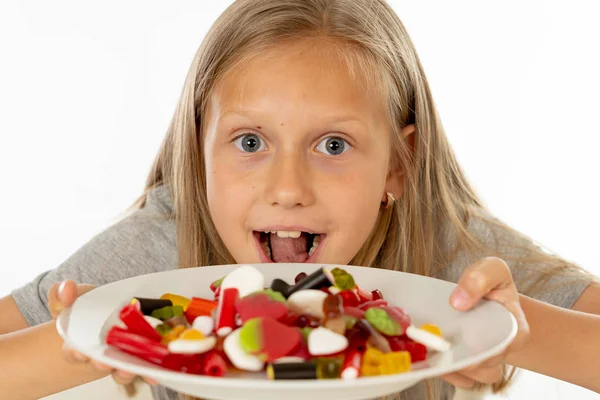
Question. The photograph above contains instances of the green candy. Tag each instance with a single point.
(350, 321)
(163, 329)
(382, 321)
(218, 282)
(168, 312)
(305, 332)
(273, 295)
(250, 340)
(342, 279)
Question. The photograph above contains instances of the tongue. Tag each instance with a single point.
(289, 249)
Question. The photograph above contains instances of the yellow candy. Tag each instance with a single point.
(370, 370)
(176, 300)
(372, 357)
(431, 328)
(191, 334)
(173, 334)
(395, 362)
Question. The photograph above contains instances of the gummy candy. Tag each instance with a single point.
(381, 320)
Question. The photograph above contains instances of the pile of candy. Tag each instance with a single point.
(323, 326)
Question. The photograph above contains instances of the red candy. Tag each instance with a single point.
(133, 318)
(349, 298)
(418, 352)
(260, 305)
(226, 312)
(354, 312)
(214, 364)
(399, 315)
(198, 307)
(373, 303)
(377, 295)
(364, 295)
(277, 340)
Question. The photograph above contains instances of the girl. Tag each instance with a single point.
(313, 119)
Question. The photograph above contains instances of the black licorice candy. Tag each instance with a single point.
(297, 370)
(281, 286)
(149, 305)
(318, 279)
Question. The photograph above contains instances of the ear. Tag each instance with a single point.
(396, 179)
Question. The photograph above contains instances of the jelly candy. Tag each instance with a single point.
(380, 320)
(322, 341)
(375, 338)
(300, 276)
(431, 328)
(395, 362)
(398, 315)
(163, 329)
(377, 295)
(168, 312)
(308, 301)
(329, 368)
(154, 322)
(246, 279)
(349, 298)
(418, 352)
(371, 362)
(260, 305)
(354, 312)
(172, 334)
(192, 342)
(342, 279)
(133, 318)
(334, 314)
(176, 321)
(373, 303)
(225, 321)
(238, 357)
(268, 338)
(176, 300)
(363, 295)
(216, 284)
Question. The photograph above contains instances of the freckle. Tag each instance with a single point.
(258, 127)
(282, 124)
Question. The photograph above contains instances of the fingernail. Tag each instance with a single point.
(61, 287)
(460, 299)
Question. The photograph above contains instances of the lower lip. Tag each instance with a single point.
(266, 260)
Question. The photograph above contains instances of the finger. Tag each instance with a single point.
(478, 280)
(459, 380)
(100, 366)
(150, 381)
(487, 375)
(122, 377)
(55, 295)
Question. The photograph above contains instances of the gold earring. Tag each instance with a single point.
(390, 200)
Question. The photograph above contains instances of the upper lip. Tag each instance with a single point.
(292, 228)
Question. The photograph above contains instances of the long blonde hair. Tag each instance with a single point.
(369, 36)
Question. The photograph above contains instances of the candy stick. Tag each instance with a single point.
(146, 305)
(376, 339)
(353, 359)
(226, 311)
(135, 322)
(318, 279)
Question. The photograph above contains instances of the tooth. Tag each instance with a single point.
(283, 234)
(317, 240)
(312, 250)
(294, 234)
(265, 246)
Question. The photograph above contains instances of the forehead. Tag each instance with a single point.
(304, 76)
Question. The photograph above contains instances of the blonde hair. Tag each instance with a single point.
(366, 35)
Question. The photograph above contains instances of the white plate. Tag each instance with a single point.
(475, 335)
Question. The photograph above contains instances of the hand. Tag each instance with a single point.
(61, 296)
(488, 278)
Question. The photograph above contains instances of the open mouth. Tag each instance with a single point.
(288, 246)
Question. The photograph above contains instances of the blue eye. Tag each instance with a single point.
(250, 143)
(333, 146)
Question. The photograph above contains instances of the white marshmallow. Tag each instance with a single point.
(246, 279)
(322, 341)
(428, 339)
(308, 301)
(238, 357)
(204, 324)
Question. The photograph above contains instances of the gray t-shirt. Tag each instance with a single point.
(145, 242)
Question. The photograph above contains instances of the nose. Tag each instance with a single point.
(288, 181)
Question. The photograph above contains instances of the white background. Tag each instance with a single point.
(87, 91)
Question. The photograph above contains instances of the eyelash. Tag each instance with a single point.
(347, 146)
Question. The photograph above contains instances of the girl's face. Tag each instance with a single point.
(296, 157)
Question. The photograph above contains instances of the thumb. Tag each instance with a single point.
(63, 294)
